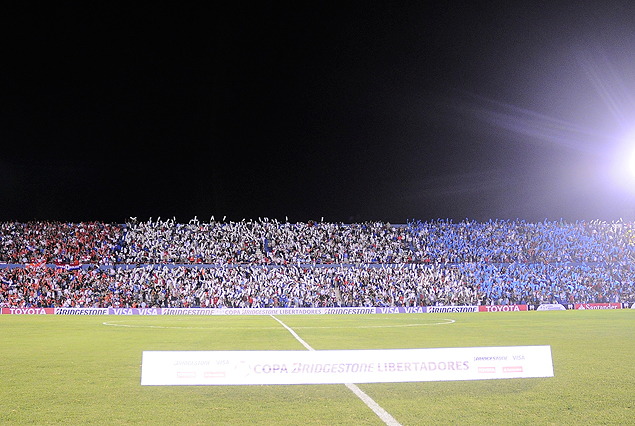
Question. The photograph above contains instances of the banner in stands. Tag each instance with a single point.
(343, 366)
(598, 306)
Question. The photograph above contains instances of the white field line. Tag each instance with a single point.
(294, 334)
(370, 403)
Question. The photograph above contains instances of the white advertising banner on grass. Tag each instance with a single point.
(343, 366)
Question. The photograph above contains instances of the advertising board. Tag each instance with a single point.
(585, 306)
(343, 366)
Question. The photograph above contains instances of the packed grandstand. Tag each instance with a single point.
(267, 264)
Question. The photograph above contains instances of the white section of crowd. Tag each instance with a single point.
(265, 242)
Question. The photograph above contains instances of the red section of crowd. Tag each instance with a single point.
(58, 242)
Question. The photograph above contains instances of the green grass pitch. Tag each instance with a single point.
(79, 370)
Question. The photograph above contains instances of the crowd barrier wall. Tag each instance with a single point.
(307, 311)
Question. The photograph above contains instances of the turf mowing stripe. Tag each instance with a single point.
(370, 402)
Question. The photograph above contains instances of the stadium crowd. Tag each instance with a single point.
(265, 242)
(316, 286)
(269, 242)
(57, 242)
(275, 264)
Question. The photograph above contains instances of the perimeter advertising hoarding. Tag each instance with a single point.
(268, 311)
(301, 311)
(551, 307)
(27, 311)
(584, 306)
(263, 311)
(502, 308)
(343, 366)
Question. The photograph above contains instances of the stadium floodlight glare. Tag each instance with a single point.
(622, 166)
(628, 161)
(631, 163)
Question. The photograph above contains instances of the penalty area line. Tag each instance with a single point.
(370, 402)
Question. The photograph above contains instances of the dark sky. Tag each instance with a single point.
(351, 113)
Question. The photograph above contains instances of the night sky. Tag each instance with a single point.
(351, 113)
